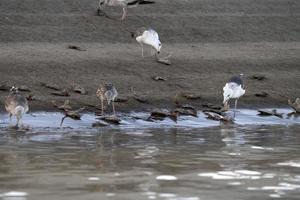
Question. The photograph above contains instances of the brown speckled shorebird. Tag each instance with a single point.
(16, 104)
(109, 92)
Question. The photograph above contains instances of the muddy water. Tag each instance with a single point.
(195, 159)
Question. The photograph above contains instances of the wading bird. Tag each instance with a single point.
(109, 92)
(16, 104)
(124, 4)
(148, 37)
(233, 89)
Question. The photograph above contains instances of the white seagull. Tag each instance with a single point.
(16, 104)
(233, 89)
(148, 37)
(124, 4)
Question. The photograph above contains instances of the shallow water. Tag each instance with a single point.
(195, 159)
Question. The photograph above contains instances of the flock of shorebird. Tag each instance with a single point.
(16, 103)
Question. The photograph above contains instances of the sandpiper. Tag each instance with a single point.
(109, 92)
(16, 104)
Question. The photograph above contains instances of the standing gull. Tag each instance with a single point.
(149, 37)
(233, 89)
(16, 104)
(109, 92)
(124, 4)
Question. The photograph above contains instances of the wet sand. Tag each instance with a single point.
(210, 41)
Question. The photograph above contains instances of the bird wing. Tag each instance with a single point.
(151, 37)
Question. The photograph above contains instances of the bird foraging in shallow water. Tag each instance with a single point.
(148, 37)
(109, 92)
(124, 4)
(16, 104)
(233, 89)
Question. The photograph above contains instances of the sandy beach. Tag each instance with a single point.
(210, 41)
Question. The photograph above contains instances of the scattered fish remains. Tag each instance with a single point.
(261, 94)
(63, 93)
(79, 89)
(50, 86)
(65, 106)
(111, 119)
(218, 117)
(191, 96)
(73, 114)
(259, 77)
(74, 47)
(4, 87)
(265, 112)
(159, 78)
(161, 114)
(164, 60)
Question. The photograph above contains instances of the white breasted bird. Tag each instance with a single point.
(109, 92)
(124, 4)
(16, 104)
(148, 37)
(233, 89)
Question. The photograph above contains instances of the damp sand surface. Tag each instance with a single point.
(257, 157)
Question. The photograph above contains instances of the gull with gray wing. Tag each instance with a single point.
(233, 89)
(148, 37)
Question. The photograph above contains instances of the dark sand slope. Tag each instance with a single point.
(211, 40)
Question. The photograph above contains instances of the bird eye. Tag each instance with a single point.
(228, 95)
(102, 3)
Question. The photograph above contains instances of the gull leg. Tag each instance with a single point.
(142, 50)
(18, 119)
(102, 108)
(235, 105)
(113, 106)
(124, 13)
(152, 53)
(10, 118)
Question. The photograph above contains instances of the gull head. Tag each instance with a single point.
(158, 47)
(101, 3)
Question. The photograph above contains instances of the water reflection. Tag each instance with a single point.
(223, 162)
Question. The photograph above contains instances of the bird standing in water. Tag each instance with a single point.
(124, 4)
(109, 92)
(16, 104)
(149, 37)
(233, 89)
